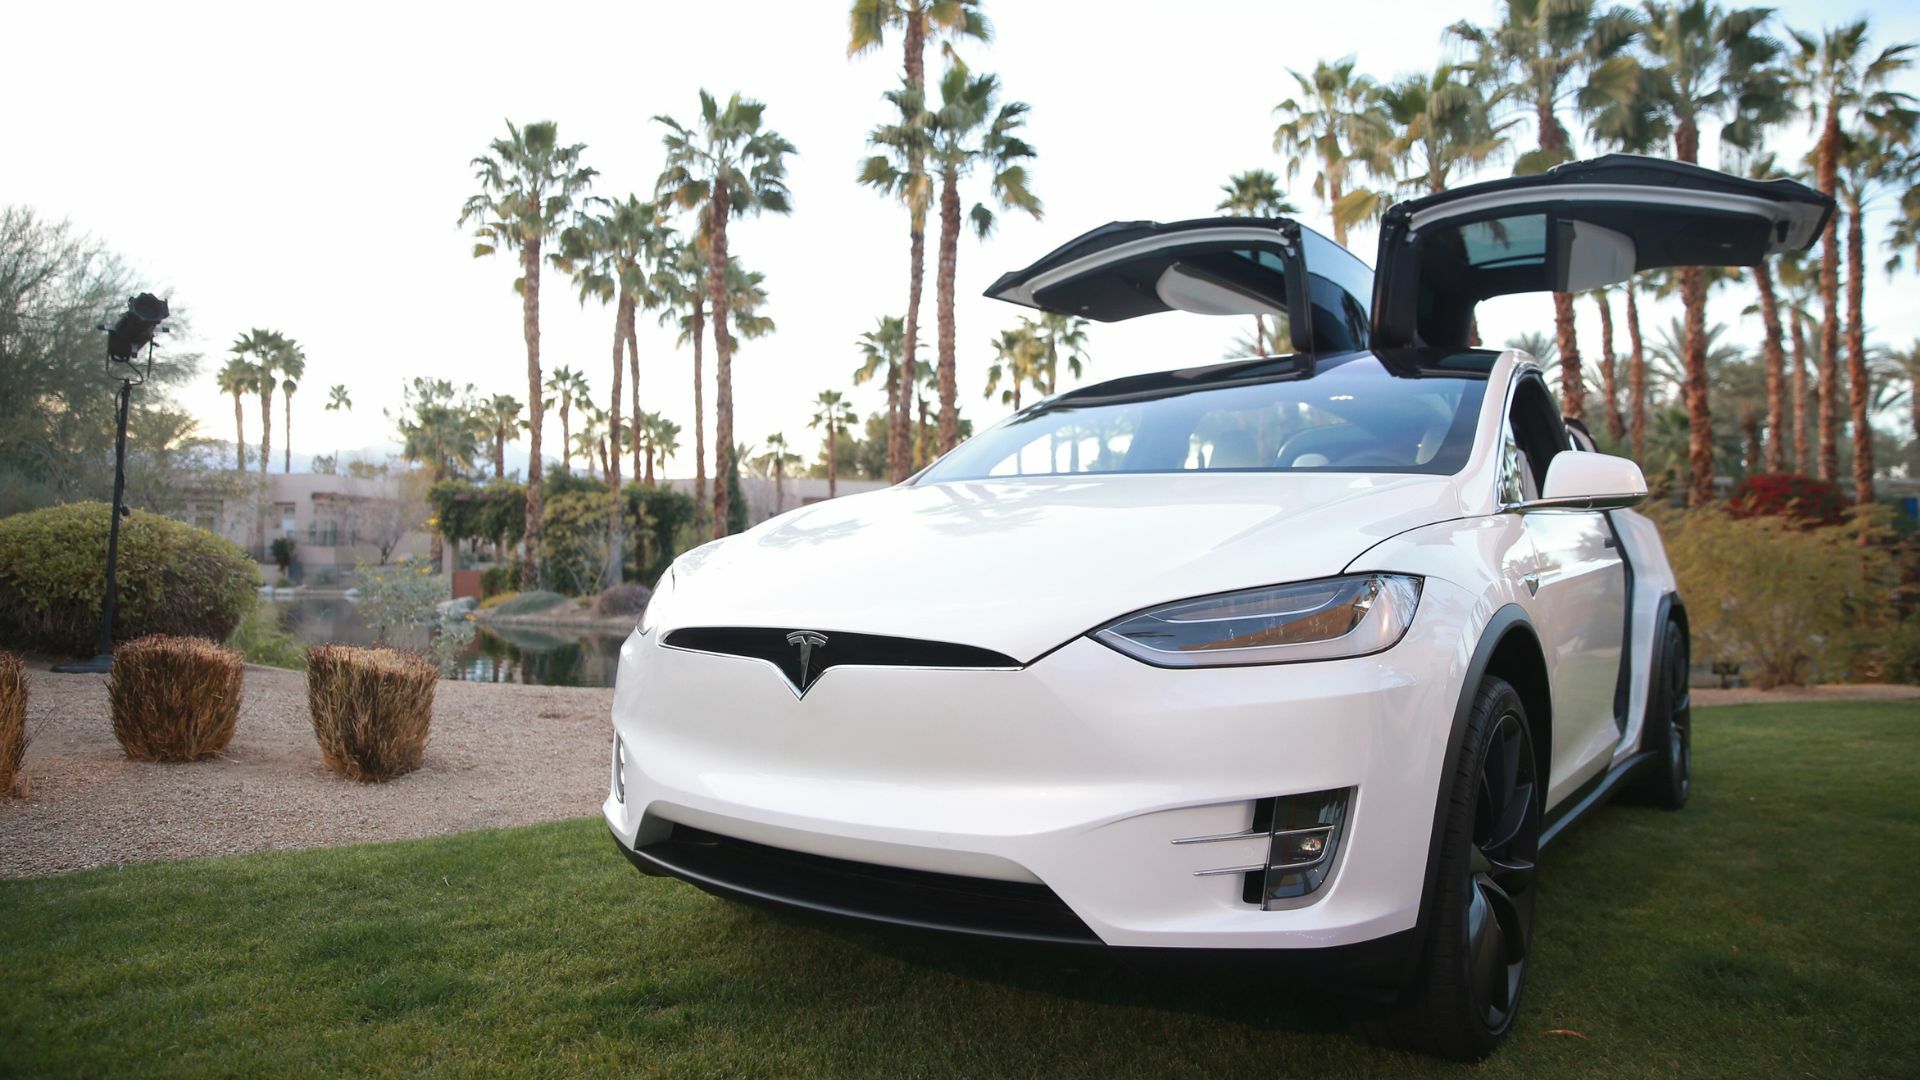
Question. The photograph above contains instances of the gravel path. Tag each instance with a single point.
(1747, 695)
(499, 755)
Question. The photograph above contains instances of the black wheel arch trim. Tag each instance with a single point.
(1509, 619)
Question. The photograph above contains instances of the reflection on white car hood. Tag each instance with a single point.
(1021, 565)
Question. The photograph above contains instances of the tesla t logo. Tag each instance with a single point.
(807, 640)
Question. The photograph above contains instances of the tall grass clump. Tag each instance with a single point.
(13, 720)
(371, 709)
(174, 698)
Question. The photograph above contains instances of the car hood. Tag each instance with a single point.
(1021, 565)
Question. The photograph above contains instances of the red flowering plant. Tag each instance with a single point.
(1788, 495)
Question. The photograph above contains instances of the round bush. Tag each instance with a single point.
(174, 698)
(371, 709)
(174, 579)
(628, 599)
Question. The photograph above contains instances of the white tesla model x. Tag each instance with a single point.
(1307, 654)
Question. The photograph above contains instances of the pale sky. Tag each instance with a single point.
(301, 167)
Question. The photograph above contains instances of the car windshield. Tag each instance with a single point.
(1345, 414)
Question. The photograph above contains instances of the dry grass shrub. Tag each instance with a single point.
(174, 698)
(13, 720)
(371, 709)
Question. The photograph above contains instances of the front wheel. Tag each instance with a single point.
(1474, 963)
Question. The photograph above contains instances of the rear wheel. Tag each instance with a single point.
(1481, 927)
(1669, 728)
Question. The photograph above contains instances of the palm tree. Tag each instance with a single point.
(612, 256)
(1336, 108)
(1535, 51)
(265, 348)
(900, 169)
(565, 389)
(1609, 370)
(1870, 161)
(1773, 355)
(970, 132)
(660, 439)
(292, 364)
(775, 462)
(1017, 361)
(1060, 337)
(528, 183)
(1839, 86)
(1256, 193)
(681, 283)
(238, 378)
(833, 413)
(502, 416)
(1907, 362)
(1434, 125)
(339, 398)
(885, 348)
(439, 427)
(730, 167)
(1697, 63)
(1800, 288)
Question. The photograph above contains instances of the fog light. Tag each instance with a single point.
(1305, 831)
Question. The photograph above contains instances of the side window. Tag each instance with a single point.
(1340, 291)
(1536, 432)
(1515, 476)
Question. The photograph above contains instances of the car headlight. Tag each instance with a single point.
(662, 589)
(1310, 620)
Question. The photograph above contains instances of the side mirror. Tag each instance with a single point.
(1577, 480)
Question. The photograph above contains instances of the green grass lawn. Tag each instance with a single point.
(1768, 930)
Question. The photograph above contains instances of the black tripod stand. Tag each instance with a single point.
(135, 328)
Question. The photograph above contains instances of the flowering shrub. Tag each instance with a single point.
(401, 605)
(1788, 495)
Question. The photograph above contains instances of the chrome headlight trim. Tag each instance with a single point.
(1324, 619)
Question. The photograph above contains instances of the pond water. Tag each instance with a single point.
(543, 656)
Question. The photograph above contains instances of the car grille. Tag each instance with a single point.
(778, 646)
(744, 870)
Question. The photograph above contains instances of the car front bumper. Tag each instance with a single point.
(886, 791)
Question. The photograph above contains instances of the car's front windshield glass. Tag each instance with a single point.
(1346, 415)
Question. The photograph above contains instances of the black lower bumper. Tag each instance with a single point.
(979, 908)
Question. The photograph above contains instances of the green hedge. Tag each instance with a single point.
(173, 579)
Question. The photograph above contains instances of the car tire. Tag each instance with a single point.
(1668, 733)
(1474, 957)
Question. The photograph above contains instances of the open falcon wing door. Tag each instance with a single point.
(1577, 226)
(1212, 266)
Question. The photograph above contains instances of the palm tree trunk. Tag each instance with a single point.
(500, 451)
(266, 426)
(1802, 446)
(899, 452)
(239, 435)
(1573, 391)
(1636, 379)
(779, 483)
(722, 361)
(1609, 373)
(1828, 179)
(833, 463)
(566, 435)
(1774, 357)
(1333, 200)
(633, 369)
(536, 412)
(949, 258)
(286, 462)
(1693, 295)
(616, 538)
(1857, 384)
(895, 445)
(699, 418)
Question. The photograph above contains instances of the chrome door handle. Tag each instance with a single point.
(1532, 581)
